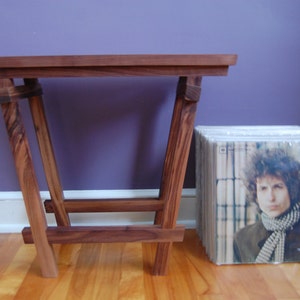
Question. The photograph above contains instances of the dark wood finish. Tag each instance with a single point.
(155, 60)
(113, 71)
(115, 65)
(188, 93)
(28, 183)
(189, 69)
(47, 153)
(15, 93)
(108, 234)
(107, 205)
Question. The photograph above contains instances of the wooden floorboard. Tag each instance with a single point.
(123, 271)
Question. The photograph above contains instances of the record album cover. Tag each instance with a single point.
(247, 184)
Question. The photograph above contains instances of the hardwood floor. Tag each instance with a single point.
(122, 271)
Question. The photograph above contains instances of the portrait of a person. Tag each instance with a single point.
(273, 183)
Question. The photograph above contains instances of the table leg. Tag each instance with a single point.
(182, 126)
(47, 154)
(28, 183)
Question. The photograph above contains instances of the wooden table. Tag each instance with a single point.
(164, 231)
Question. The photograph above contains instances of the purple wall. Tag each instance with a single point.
(109, 133)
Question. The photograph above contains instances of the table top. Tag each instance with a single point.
(116, 65)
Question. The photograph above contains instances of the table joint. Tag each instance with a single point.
(15, 93)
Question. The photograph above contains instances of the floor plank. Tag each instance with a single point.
(123, 271)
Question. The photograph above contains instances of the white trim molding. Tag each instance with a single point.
(13, 216)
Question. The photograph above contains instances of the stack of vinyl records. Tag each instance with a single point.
(233, 212)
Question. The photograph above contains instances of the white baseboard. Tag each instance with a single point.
(13, 216)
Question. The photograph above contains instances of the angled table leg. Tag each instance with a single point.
(182, 125)
(47, 154)
(28, 183)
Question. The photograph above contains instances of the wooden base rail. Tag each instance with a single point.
(108, 234)
(188, 68)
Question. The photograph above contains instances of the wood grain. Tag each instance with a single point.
(15, 93)
(47, 154)
(115, 65)
(107, 205)
(123, 271)
(108, 234)
(188, 93)
(118, 60)
(28, 183)
(189, 69)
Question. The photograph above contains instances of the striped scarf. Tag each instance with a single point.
(275, 242)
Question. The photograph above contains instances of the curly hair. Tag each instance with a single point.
(275, 162)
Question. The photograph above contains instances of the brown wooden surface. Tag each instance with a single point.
(28, 183)
(178, 147)
(123, 271)
(115, 65)
(188, 93)
(47, 153)
(117, 60)
(189, 68)
(15, 93)
(108, 234)
(108, 205)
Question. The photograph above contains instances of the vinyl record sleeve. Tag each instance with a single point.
(222, 156)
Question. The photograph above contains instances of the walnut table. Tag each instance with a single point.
(188, 68)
